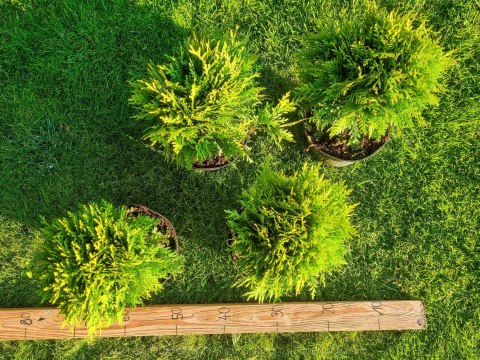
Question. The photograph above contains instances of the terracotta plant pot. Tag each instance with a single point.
(163, 224)
(334, 161)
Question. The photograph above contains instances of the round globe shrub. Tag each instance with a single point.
(290, 233)
(205, 102)
(366, 71)
(95, 262)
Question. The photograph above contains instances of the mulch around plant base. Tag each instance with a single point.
(337, 147)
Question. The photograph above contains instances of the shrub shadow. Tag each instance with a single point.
(67, 139)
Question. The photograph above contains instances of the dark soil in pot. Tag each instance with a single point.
(218, 162)
(164, 225)
(335, 150)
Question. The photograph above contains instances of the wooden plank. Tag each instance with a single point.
(46, 323)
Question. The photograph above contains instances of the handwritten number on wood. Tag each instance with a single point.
(25, 319)
(377, 306)
(277, 310)
(223, 311)
(126, 317)
(177, 314)
(327, 308)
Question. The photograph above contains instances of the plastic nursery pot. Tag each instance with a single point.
(163, 224)
(216, 163)
(334, 161)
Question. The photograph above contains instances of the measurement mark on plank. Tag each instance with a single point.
(176, 330)
(379, 323)
(25, 332)
(124, 330)
(74, 335)
(328, 325)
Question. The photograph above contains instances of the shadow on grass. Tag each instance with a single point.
(67, 137)
(275, 85)
(64, 119)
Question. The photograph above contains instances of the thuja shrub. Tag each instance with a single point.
(368, 70)
(95, 262)
(291, 232)
(205, 102)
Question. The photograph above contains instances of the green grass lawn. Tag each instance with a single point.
(67, 137)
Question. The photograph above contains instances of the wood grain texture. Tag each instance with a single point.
(46, 323)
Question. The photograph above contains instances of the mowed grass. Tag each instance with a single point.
(67, 137)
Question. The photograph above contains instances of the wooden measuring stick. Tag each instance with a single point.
(46, 323)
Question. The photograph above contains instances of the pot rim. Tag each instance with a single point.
(337, 159)
(210, 168)
(163, 222)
